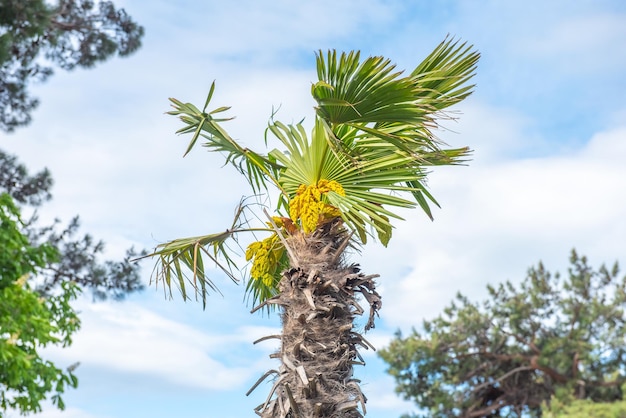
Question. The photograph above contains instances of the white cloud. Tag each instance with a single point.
(385, 400)
(378, 387)
(131, 339)
(493, 134)
(587, 34)
(251, 29)
(499, 218)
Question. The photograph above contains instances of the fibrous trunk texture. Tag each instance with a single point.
(318, 302)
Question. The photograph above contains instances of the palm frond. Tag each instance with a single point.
(442, 76)
(373, 179)
(257, 168)
(375, 99)
(369, 92)
(180, 262)
(380, 123)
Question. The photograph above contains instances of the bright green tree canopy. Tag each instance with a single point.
(29, 322)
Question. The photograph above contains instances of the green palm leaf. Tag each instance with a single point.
(361, 176)
(444, 74)
(258, 169)
(354, 92)
(181, 261)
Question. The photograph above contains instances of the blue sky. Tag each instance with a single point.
(547, 124)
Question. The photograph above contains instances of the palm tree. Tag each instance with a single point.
(368, 152)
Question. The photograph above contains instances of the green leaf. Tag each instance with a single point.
(209, 96)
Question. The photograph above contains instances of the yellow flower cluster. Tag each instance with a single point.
(267, 254)
(308, 206)
(277, 220)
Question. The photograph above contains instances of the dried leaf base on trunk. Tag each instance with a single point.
(318, 302)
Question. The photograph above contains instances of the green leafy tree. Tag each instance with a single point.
(368, 152)
(29, 322)
(509, 355)
(37, 34)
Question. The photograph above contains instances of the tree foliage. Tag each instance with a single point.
(511, 353)
(29, 322)
(78, 256)
(35, 35)
(564, 405)
(368, 153)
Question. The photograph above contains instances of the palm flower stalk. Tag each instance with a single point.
(368, 152)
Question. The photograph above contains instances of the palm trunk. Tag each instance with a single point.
(319, 339)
